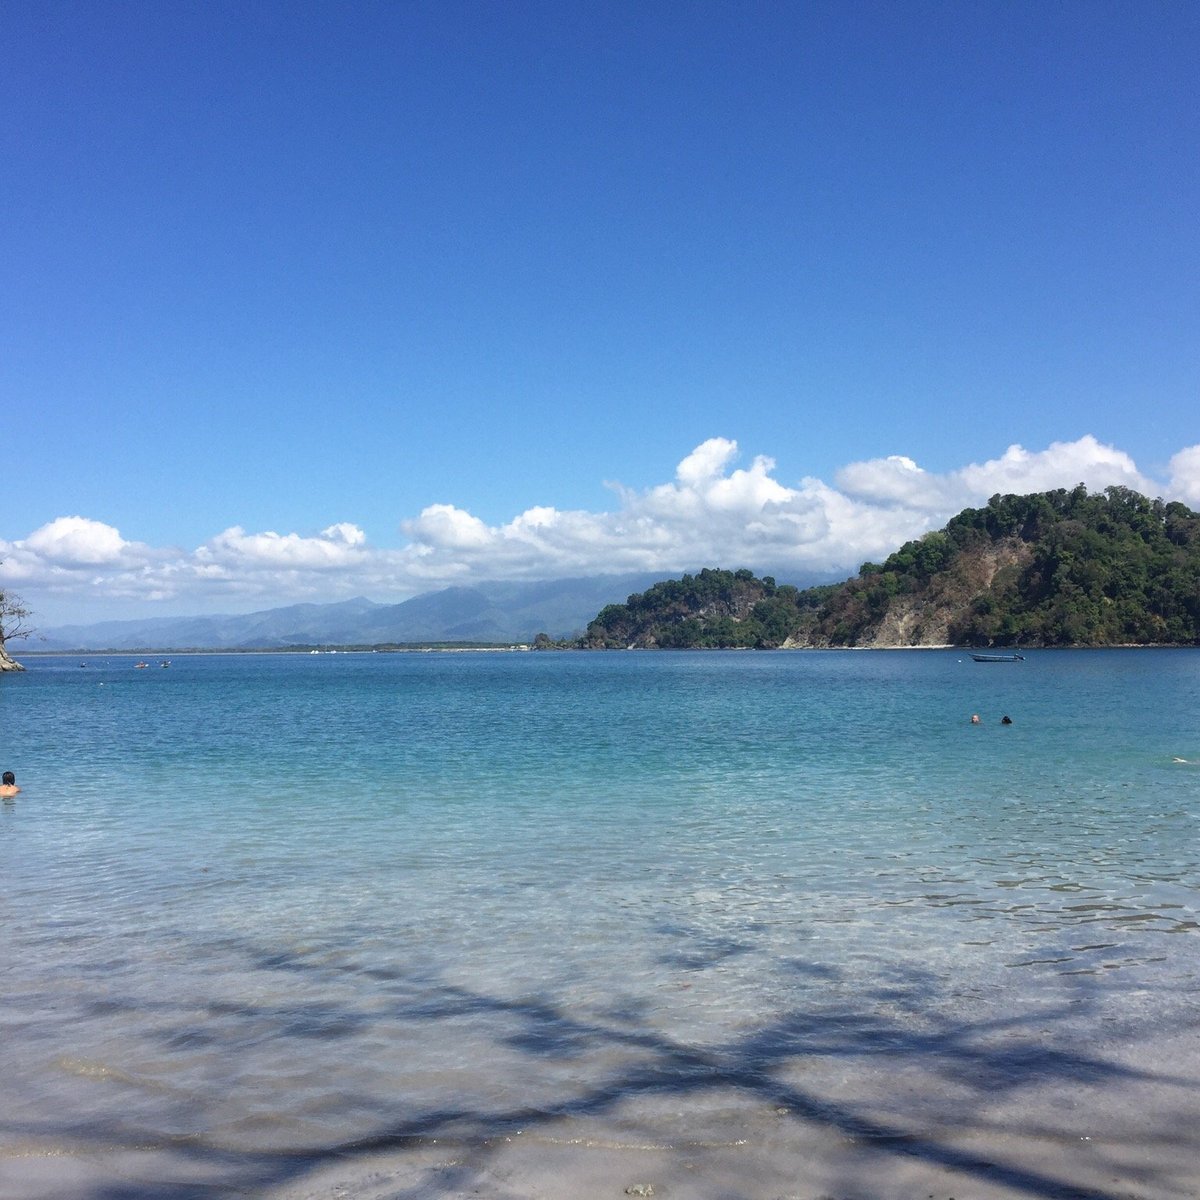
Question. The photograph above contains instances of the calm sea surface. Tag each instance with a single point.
(261, 910)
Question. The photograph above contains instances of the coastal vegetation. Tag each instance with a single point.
(713, 609)
(14, 618)
(1057, 568)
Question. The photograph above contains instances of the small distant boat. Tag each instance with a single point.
(998, 657)
(166, 662)
(141, 666)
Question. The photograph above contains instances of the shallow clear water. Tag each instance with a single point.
(288, 905)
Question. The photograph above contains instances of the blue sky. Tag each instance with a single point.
(306, 300)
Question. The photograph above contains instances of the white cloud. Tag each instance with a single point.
(444, 527)
(711, 513)
(1185, 475)
(894, 480)
(76, 542)
(899, 480)
(344, 532)
(707, 461)
(1063, 464)
(338, 546)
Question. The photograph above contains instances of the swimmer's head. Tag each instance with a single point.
(9, 779)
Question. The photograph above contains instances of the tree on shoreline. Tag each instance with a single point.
(13, 624)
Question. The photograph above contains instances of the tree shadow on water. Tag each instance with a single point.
(978, 1065)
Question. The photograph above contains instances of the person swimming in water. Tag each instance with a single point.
(9, 785)
(1006, 720)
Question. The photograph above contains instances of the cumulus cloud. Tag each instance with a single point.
(1184, 468)
(77, 542)
(344, 532)
(71, 553)
(712, 511)
(77, 556)
(1085, 461)
(338, 546)
(899, 480)
(442, 526)
(706, 462)
(894, 480)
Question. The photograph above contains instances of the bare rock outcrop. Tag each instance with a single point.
(926, 620)
(928, 617)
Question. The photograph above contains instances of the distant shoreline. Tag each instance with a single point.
(197, 652)
(528, 648)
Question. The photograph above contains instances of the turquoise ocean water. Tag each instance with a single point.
(259, 911)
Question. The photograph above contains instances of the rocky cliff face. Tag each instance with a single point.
(928, 617)
(8, 663)
(926, 620)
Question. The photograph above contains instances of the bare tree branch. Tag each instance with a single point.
(13, 618)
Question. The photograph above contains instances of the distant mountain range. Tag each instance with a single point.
(488, 612)
(1058, 568)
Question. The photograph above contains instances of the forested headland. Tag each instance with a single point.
(1057, 568)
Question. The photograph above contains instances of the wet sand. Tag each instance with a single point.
(1122, 1125)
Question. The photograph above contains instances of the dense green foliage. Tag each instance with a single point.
(1108, 568)
(1055, 568)
(712, 609)
(1115, 567)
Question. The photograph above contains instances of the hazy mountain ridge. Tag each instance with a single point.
(487, 612)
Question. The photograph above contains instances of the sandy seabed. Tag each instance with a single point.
(1130, 1133)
